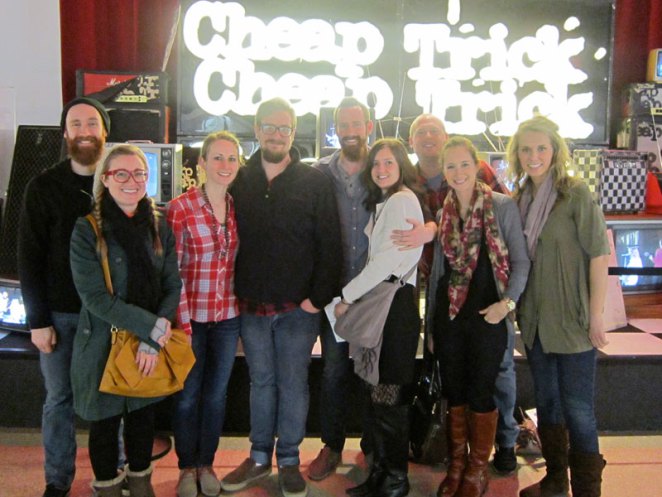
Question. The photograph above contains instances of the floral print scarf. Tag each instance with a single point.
(461, 247)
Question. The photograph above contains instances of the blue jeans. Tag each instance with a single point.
(278, 350)
(336, 377)
(564, 386)
(505, 397)
(58, 420)
(199, 409)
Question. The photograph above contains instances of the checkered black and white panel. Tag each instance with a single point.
(623, 185)
(587, 165)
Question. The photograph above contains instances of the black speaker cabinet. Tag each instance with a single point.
(37, 148)
(144, 122)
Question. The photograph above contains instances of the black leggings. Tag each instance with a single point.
(470, 352)
(138, 441)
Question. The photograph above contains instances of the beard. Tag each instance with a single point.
(273, 157)
(353, 152)
(86, 156)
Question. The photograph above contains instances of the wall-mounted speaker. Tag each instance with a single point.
(37, 148)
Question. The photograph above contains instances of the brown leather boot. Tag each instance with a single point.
(482, 430)
(554, 445)
(456, 421)
(586, 474)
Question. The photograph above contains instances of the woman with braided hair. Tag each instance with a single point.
(146, 284)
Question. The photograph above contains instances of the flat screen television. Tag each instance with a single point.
(638, 246)
(164, 161)
(12, 310)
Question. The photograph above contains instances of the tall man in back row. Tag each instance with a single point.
(53, 201)
(286, 271)
(343, 168)
(427, 137)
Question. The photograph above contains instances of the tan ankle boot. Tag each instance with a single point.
(109, 488)
(140, 483)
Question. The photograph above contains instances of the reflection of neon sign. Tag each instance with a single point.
(239, 41)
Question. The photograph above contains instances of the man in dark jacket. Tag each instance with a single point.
(287, 270)
(53, 201)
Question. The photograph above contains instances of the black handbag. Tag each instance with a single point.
(428, 439)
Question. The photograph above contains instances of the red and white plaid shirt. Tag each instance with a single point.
(206, 260)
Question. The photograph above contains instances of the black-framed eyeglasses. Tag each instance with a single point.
(270, 129)
(123, 175)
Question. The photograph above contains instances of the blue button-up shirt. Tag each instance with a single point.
(350, 194)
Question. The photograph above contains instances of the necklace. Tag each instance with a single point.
(223, 251)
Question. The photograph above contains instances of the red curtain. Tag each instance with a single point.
(118, 35)
(131, 35)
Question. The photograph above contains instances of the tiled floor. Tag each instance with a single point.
(634, 469)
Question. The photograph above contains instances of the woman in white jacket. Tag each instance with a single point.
(390, 179)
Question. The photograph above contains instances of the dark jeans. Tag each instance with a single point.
(470, 352)
(564, 386)
(138, 437)
(278, 352)
(336, 377)
(58, 420)
(199, 409)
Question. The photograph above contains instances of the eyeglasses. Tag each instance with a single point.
(270, 129)
(123, 175)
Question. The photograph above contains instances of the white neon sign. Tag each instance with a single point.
(239, 41)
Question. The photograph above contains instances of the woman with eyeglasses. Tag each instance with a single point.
(146, 283)
(205, 230)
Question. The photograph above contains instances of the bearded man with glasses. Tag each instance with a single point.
(287, 270)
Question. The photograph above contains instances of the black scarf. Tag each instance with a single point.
(135, 235)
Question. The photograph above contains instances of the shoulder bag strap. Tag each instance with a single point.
(104, 254)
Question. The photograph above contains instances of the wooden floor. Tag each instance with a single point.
(634, 469)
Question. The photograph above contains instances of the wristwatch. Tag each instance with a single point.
(510, 304)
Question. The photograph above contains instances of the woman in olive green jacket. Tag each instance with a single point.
(146, 284)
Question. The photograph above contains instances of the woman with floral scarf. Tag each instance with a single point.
(480, 270)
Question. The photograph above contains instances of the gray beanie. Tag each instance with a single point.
(87, 101)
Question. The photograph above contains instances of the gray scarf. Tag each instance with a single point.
(535, 211)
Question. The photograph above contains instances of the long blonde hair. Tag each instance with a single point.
(560, 157)
(100, 191)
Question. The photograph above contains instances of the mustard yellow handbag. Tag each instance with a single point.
(121, 375)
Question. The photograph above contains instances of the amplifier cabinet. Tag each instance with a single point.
(642, 133)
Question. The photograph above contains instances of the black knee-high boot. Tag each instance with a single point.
(392, 423)
(377, 469)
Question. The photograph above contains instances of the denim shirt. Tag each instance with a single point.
(350, 194)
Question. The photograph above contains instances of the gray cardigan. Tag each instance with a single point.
(510, 230)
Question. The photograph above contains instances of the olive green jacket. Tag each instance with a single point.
(100, 310)
(555, 303)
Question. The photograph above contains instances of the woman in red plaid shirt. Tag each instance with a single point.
(203, 221)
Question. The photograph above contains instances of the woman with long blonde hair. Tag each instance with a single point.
(560, 313)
